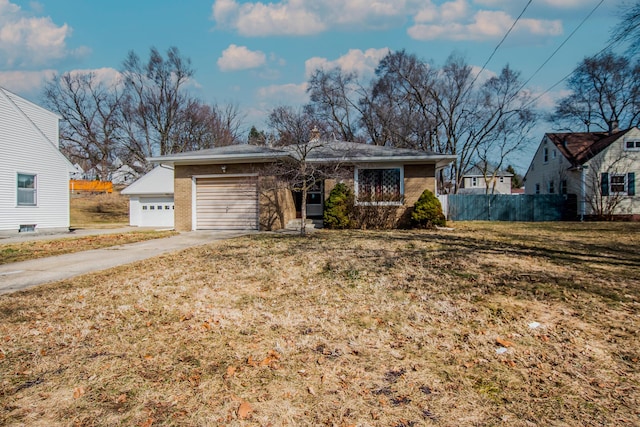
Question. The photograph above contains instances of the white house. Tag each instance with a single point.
(483, 178)
(151, 199)
(34, 177)
(598, 167)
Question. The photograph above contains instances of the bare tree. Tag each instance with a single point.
(155, 102)
(508, 127)
(605, 89)
(298, 133)
(489, 122)
(399, 110)
(628, 29)
(334, 95)
(90, 129)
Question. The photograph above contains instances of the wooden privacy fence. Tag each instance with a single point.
(505, 207)
(77, 185)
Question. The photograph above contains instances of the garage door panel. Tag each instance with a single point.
(226, 203)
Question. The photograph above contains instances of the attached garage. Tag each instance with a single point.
(226, 203)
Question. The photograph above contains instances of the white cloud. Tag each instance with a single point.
(453, 19)
(361, 62)
(301, 17)
(287, 94)
(445, 23)
(25, 82)
(240, 58)
(106, 75)
(27, 40)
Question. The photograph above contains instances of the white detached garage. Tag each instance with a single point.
(151, 199)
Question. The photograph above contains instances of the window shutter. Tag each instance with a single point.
(604, 184)
(631, 184)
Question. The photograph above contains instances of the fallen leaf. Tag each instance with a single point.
(147, 423)
(122, 398)
(503, 343)
(148, 357)
(311, 391)
(251, 362)
(244, 410)
(231, 370)
(78, 392)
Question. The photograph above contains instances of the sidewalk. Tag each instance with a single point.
(22, 275)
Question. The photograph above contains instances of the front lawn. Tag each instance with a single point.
(489, 324)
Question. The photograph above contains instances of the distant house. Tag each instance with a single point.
(483, 178)
(221, 188)
(151, 199)
(34, 177)
(598, 167)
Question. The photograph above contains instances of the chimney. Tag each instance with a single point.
(613, 127)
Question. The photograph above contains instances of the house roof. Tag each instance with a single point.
(581, 147)
(315, 151)
(157, 182)
(19, 105)
(482, 169)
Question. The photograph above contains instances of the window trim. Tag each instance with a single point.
(357, 170)
(634, 141)
(33, 190)
(624, 184)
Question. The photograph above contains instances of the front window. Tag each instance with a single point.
(379, 185)
(26, 189)
(474, 182)
(552, 187)
(618, 184)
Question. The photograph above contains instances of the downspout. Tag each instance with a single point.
(583, 191)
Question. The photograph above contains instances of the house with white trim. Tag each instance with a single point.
(598, 167)
(34, 177)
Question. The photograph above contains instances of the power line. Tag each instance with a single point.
(601, 51)
(500, 44)
(561, 44)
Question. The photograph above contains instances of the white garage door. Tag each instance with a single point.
(226, 203)
(156, 211)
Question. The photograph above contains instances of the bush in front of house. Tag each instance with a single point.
(427, 212)
(338, 207)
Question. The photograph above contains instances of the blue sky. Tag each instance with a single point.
(259, 54)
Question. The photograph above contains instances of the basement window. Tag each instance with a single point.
(27, 228)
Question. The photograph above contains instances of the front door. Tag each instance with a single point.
(315, 201)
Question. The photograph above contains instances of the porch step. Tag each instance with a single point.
(295, 224)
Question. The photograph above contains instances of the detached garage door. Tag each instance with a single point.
(226, 203)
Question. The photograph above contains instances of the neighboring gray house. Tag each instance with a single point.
(151, 199)
(34, 177)
(483, 178)
(598, 167)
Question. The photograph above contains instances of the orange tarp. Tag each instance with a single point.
(93, 186)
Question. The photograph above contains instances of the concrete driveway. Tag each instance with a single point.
(22, 275)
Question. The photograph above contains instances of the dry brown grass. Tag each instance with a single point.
(28, 250)
(340, 328)
(99, 210)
